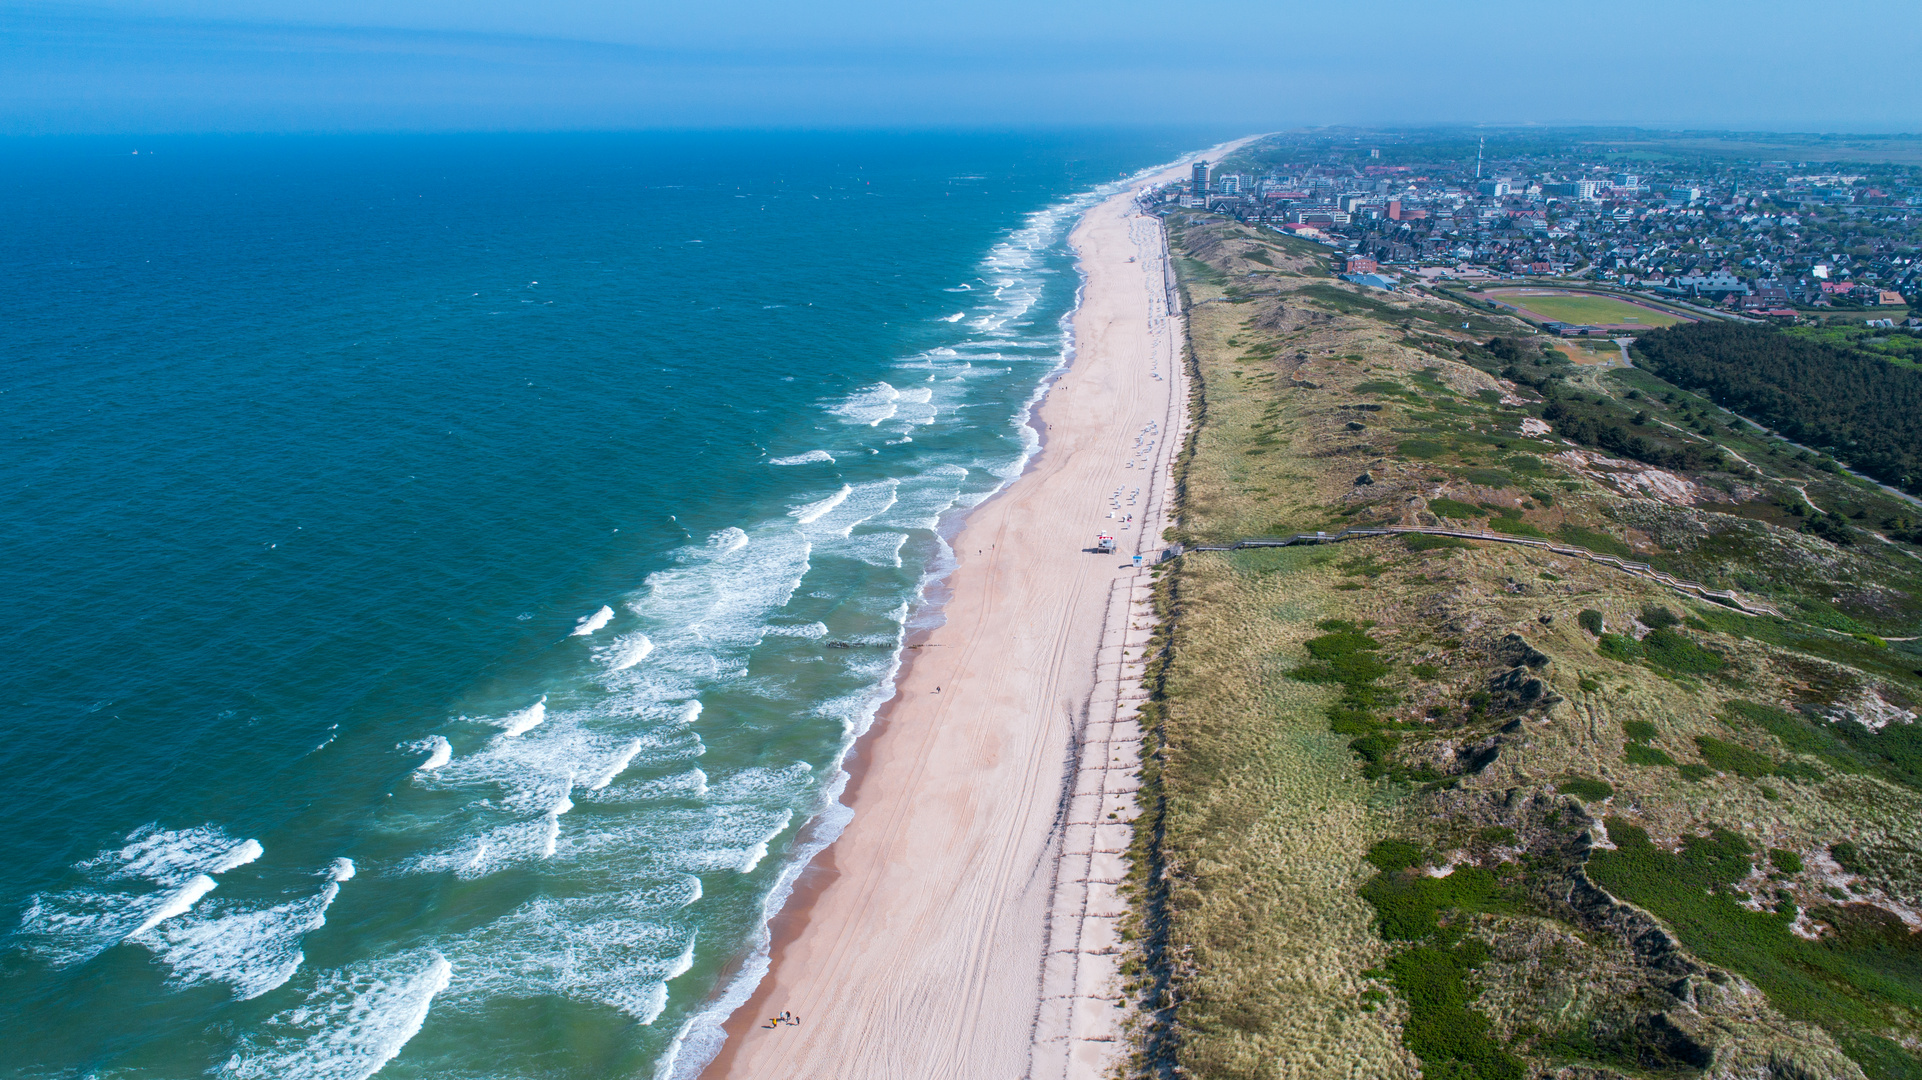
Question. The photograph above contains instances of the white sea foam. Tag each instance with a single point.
(876, 549)
(240, 855)
(590, 623)
(688, 713)
(439, 752)
(811, 630)
(352, 1023)
(177, 902)
(869, 405)
(917, 406)
(173, 855)
(516, 724)
(856, 504)
(812, 512)
(691, 784)
(517, 785)
(618, 765)
(808, 458)
(554, 825)
(923, 499)
(627, 650)
(342, 869)
(617, 950)
(252, 951)
(156, 875)
(700, 1037)
(759, 851)
(956, 317)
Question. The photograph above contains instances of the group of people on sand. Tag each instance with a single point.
(785, 1018)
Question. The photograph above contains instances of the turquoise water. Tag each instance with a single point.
(443, 575)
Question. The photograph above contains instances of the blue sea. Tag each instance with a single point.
(443, 576)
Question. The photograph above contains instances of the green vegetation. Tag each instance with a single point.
(1894, 752)
(1657, 617)
(1641, 754)
(1451, 508)
(1347, 656)
(1901, 345)
(1515, 527)
(1811, 391)
(1728, 757)
(1848, 858)
(1586, 308)
(1417, 542)
(1379, 386)
(1594, 540)
(1451, 1038)
(1391, 855)
(1200, 271)
(1606, 424)
(1848, 984)
(1619, 647)
(1303, 725)
(1667, 649)
(1583, 787)
(1434, 974)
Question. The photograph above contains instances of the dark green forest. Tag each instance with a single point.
(1859, 407)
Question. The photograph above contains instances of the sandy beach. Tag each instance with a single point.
(991, 799)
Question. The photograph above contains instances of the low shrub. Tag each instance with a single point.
(1454, 508)
(1590, 620)
(1489, 478)
(1848, 983)
(1433, 973)
(1451, 1038)
(1667, 649)
(1594, 541)
(1894, 751)
(1389, 856)
(1516, 527)
(1640, 754)
(1619, 647)
(1740, 760)
(1583, 787)
(1849, 858)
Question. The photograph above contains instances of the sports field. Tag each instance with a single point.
(1587, 309)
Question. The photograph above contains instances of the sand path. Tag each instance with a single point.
(914, 947)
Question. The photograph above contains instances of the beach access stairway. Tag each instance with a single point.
(1726, 597)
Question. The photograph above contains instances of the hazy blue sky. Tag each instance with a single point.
(262, 65)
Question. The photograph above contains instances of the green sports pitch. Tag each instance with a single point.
(1585, 309)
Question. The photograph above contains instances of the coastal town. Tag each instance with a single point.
(1782, 240)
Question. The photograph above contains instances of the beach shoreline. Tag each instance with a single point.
(914, 944)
